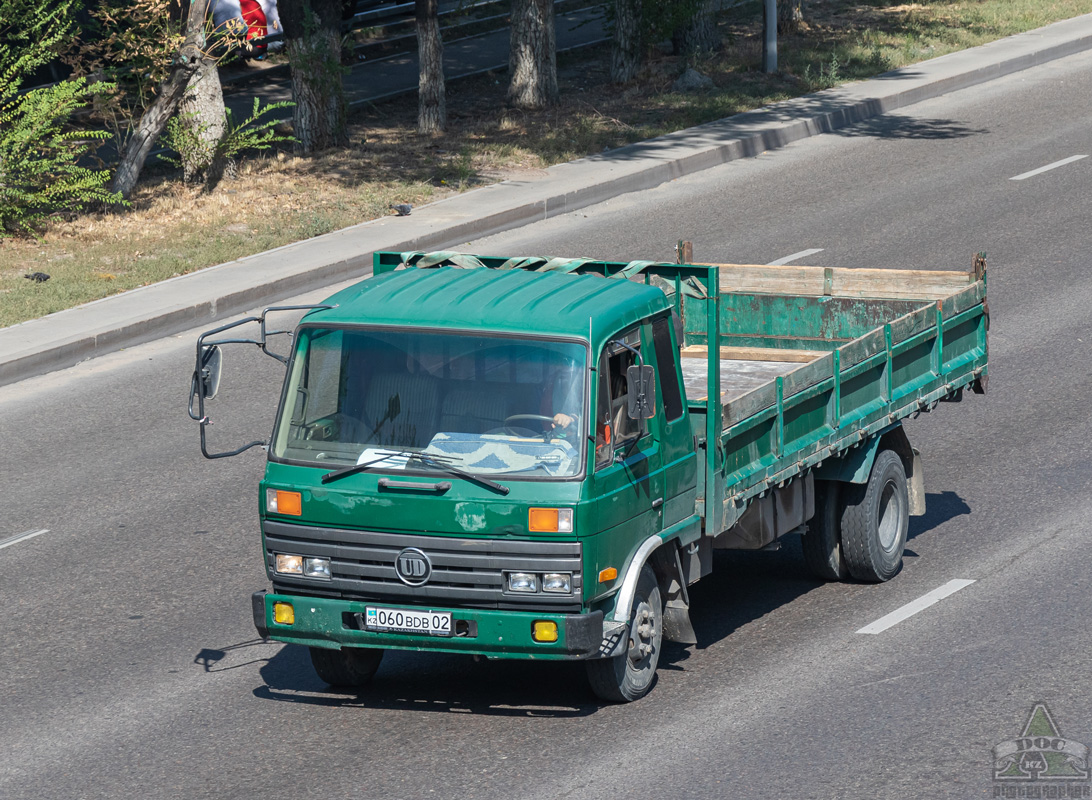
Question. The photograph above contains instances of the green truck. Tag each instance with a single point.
(536, 457)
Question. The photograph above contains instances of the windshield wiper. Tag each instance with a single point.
(470, 476)
(432, 461)
(345, 472)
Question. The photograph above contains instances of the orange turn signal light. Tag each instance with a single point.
(550, 520)
(278, 501)
(607, 575)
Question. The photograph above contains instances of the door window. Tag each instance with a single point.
(613, 425)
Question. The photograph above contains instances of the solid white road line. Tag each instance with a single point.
(1055, 165)
(913, 607)
(794, 256)
(21, 537)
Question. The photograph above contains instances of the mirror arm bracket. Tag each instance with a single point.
(200, 373)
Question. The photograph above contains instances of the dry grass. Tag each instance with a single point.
(277, 199)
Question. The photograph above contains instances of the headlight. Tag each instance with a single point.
(522, 582)
(560, 582)
(289, 565)
(316, 568)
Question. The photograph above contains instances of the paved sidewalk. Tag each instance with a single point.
(67, 337)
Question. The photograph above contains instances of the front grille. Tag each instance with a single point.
(465, 572)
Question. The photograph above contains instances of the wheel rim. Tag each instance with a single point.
(890, 516)
(642, 637)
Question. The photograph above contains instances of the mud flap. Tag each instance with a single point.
(668, 567)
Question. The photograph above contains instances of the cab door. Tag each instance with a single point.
(680, 459)
(628, 476)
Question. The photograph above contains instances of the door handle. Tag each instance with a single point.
(659, 501)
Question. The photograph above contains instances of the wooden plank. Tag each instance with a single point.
(911, 284)
(859, 349)
(808, 375)
(754, 353)
(739, 409)
(913, 323)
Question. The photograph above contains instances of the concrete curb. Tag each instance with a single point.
(68, 337)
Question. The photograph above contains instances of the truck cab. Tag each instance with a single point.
(456, 465)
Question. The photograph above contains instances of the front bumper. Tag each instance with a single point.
(331, 623)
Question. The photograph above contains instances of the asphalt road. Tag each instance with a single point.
(129, 666)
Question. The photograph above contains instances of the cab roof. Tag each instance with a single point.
(511, 301)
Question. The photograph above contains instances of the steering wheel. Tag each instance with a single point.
(521, 431)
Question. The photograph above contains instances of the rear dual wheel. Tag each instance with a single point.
(860, 530)
(875, 521)
(822, 542)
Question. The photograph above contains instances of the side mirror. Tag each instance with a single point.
(206, 378)
(641, 398)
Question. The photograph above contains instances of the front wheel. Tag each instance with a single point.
(629, 676)
(349, 666)
(875, 521)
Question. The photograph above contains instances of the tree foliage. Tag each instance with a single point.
(128, 43)
(40, 169)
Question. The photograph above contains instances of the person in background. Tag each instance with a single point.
(258, 18)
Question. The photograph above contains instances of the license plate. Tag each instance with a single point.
(402, 620)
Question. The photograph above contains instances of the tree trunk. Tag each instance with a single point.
(532, 58)
(699, 35)
(201, 112)
(431, 109)
(154, 119)
(312, 30)
(789, 15)
(625, 51)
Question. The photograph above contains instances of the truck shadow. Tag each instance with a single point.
(743, 588)
(940, 507)
(438, 682)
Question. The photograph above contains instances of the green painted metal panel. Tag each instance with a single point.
(320, 622)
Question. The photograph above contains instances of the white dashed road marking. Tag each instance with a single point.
(795, 256)
(914, 606)
(1055, 165)
(21, 537)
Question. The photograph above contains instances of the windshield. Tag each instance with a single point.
(488, 405)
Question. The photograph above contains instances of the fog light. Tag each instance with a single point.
(281, 502)
(316, 567)
(522, 582)
(284, 614)
(544, 631)
(289, 565)
(560, 582)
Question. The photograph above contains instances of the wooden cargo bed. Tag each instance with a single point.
(742, 369)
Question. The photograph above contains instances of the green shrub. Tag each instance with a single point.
(40, 169)
(253, 133)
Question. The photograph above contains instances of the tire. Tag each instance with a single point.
(822, 543)
(629, 676)
(349, 666)
(875, 519)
